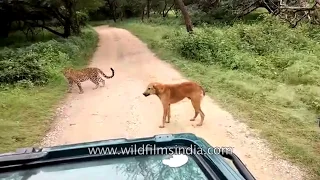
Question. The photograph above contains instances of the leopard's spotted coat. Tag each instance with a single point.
(76, 76)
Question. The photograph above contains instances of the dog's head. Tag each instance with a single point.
(153, 88)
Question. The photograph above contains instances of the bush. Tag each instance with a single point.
(28, 67)
(268, 49)
(265, 73)
(43, 60)
(83, 18)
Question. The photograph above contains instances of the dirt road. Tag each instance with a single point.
(120, 110)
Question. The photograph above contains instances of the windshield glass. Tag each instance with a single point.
(140, 167)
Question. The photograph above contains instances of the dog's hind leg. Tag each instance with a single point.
(169, 114)
(202, 118)
(195, 116)
(197, 110)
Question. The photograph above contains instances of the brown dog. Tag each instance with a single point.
(173, 93)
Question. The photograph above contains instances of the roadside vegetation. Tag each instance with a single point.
(258, 59)
(262, 68)
(32, 54)
(32, 84)
(267, 79)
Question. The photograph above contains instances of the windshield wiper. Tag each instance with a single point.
(21, 156)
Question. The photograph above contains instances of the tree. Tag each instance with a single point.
(291, 11)
(185, 14)
(148, 8)
(46, 14)
(113, 9)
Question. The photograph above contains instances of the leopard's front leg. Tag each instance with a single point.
(70, 83)
(79, 86)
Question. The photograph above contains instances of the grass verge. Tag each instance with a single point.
(267, 81)
(28, 105)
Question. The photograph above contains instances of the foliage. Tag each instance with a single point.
(132, 8)
(40, 61)
(29, 15)
(260, 49)
(26, 110)
(71, 14)
(89, 6)
(83, 18)
(263, 76)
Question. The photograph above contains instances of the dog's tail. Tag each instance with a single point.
(204, 93)
(104, 75)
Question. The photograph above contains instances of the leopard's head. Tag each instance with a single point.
(66, 70)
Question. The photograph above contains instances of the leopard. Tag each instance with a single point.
(77, 76)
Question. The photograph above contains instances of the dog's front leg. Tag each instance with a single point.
(165, 114)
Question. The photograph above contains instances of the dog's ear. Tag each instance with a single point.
(159, 88)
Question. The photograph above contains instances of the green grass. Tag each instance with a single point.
(26, 114)
(26, 109)
(99, 23)
(281, 103)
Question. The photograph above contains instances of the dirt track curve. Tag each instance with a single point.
(120, 110)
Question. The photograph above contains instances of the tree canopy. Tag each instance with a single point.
(65, 17)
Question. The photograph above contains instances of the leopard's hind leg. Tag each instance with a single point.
(102, 81)
(95, 80)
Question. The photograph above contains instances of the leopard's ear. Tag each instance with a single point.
(66, 69)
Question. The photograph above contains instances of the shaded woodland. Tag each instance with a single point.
(65, 17)
(266, 71)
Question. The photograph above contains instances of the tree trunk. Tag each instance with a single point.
(122, 13)
(164, 9)
(67, 29)
(148, 8)
(4, 31)
(112, 9)
(114, 14)
(143, 10)
(185, 14)
(166, 13)
(71, 21)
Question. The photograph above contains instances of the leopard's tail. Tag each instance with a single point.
(104, 75)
